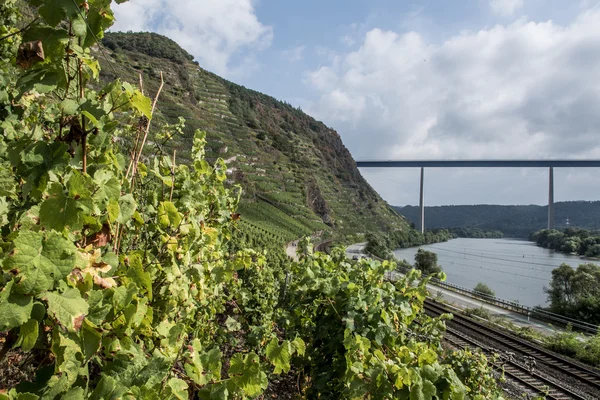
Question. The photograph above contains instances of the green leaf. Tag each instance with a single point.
(3, 211)
(127, 206)
(279, 355)
(60, 211)
(246, 374)
(91, 340)
(427, 357)
(113, 210)
(28, 334)
(178, 388)
(99, 308)
(7, 180)
(39, 261)
(214, 392)
(168, 216)
(202, 368)
(79, 185)
(429, 389)
(69, 107)
(138, 275)
(24, 396)
(299, 346)
(232, 325)
(107, 389)
(15, 309)
(109, 187)
(79, 27)
(142, 104)
(98, 21)
(122, 296)
(74, 394)
(69, 308)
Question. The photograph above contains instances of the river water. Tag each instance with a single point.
(516, 270)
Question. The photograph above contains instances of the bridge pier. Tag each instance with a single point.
(551, 198)
(422, 200)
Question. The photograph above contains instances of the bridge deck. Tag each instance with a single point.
(481, 164)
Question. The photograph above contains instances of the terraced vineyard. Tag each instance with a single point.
(297, 175)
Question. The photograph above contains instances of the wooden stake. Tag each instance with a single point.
(139, 153)
(173, 175)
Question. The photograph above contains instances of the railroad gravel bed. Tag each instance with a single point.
(553, 374)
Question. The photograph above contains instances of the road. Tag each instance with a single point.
(356, 249)
(461, 301)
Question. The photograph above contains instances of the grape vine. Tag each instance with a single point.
(126, 276)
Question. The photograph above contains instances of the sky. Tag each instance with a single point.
(408, 80)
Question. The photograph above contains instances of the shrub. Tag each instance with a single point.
(426, 262)
(483, 289)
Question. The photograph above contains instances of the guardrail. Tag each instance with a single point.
(519, 308)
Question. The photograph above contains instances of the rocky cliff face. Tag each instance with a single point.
(281, 156)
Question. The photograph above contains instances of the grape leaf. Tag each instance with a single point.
(232, 325)
(107, 389)
(178, 388)
(60, 211)
(142, 104)
(246, 374)
(69, 308)
(69, 106)
(15, 309)
(279, 355)
(299, 346)
(127, 206)
(91, 340)
(168, 215)
(74, 394)
(3, 211)
(28, 334)
(40, 261)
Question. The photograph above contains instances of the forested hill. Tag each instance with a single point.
(296, 173)
(513, 221)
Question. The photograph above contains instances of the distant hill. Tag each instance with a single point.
(297, 175)
(513, 221)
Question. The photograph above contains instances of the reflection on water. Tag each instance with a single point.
(515, 269)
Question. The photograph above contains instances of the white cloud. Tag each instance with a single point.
(295, 54)
(524, 90)
(214, 31)
(505, 7)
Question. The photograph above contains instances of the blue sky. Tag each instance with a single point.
(431, 79)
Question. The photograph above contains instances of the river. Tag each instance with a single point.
(516, 270)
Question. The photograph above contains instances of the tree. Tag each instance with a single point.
(593, 251)
(426, 262)
(484, 290)
(576, 292)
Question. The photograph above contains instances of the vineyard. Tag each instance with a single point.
(128, 274)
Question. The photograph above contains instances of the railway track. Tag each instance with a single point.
(584, 375)
(535, 383)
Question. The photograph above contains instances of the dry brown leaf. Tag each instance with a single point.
(102, 238)
(105, 283)
(30, 53)
(78, 322)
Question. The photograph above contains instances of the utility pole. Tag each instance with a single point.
(422, 200)
(551, 198)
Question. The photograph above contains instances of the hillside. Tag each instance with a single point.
(514, 221)
(296, 173)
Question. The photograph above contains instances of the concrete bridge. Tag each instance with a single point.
(550, 164)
